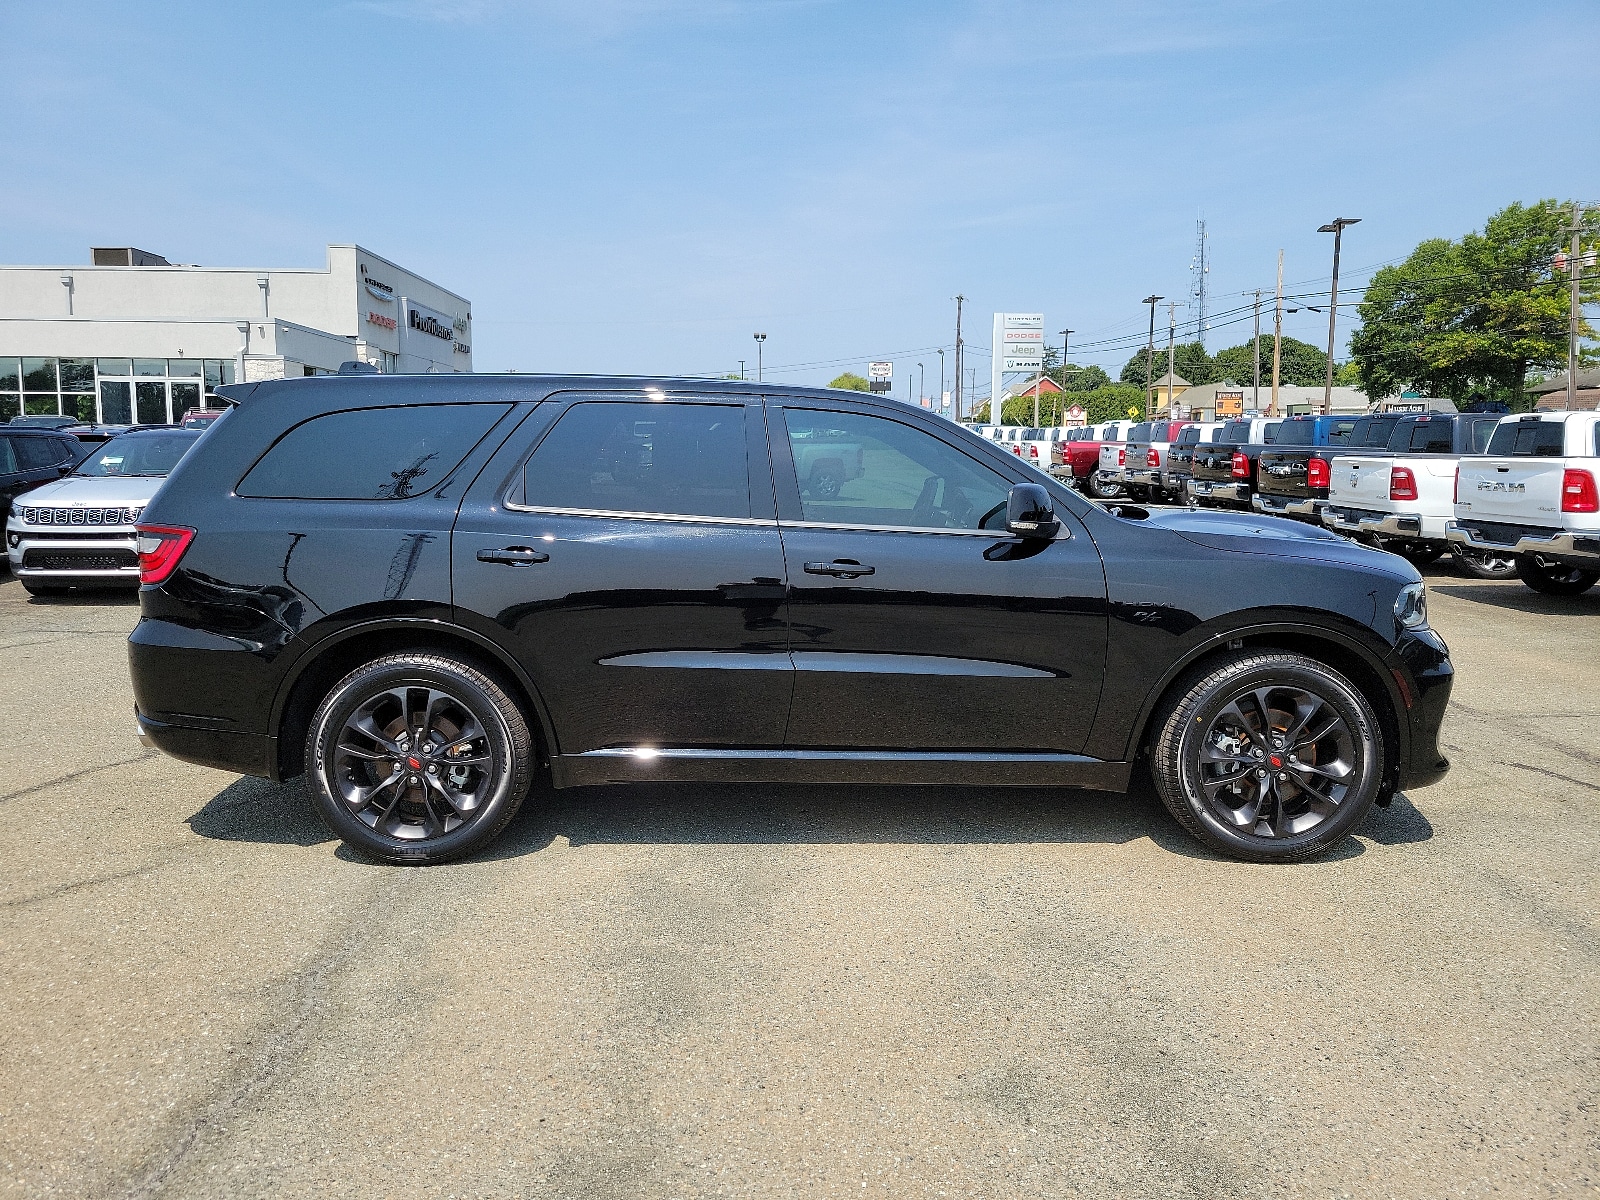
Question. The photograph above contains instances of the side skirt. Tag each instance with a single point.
(643, 764)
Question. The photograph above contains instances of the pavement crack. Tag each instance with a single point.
(74, 775)
(63, 888)
(1554, 775)
(285, 1041)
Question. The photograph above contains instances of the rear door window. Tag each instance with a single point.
(371, 453)
(1528, 439)
(644, 457)
(36, 453)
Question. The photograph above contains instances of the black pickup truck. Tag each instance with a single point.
(1223, 473)
(1292, 477)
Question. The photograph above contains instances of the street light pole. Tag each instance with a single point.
(1150, 354)
(922, 384)
(1335, 227)
(1172, 332)
(1061, 408)
(960, 363)
(1255, 396)
(1277, 338)
(761, 340)
(941, 380)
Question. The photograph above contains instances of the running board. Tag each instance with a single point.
(636, 764)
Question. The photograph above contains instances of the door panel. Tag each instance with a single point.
(640, 629)
(959, 638)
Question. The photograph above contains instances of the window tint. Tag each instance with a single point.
(1296, 433)
(36, 452)
(1434, 437)
(8, 457)
(1481, 432)
(854, 469)
(1235, 431)
(1189, 435)
(1140, 432)
(1536, 439)
(1339, 434)
(683, 459)
(1375, 432)
(371, 453)
(1269, 432)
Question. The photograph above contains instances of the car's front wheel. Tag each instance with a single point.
(1553, 578)
(1269, 757)
(418, 758)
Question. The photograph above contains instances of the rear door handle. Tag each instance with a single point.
(516, 556)
(839, 568)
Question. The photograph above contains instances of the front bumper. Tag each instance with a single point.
(1203, 490)
(1577, 549)
(1366, 522)
(53, 555)
(1424, 667)
(1285, 506)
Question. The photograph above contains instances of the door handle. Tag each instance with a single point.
(839, 568)
(516, 556)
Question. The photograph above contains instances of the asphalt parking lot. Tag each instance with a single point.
(801, 992)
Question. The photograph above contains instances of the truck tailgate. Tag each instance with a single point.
(1358, 481)
(1521, 491)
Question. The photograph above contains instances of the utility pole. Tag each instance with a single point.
(1255, 397)
(1061, 408)
(761, 342)
(959, 363)
(1335, 227)
(1576, 314)
(922, 384)
(1172, 330)
(1150, 354)
(941, 379)
(1277, 338)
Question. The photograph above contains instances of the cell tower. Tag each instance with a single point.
(1199, 269)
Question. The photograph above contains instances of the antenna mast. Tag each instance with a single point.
(1199, 268)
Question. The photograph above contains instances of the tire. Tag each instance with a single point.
(1484, 564)
(824, 484)
(1101, 490)
(1282, 823)
(1552, 578)
(487, 764)
(1138, 493)
(1418, 554)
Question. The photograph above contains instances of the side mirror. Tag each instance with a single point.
(1030, 513)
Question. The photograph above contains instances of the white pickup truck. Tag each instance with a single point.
(1402, 497)
(1536, 495)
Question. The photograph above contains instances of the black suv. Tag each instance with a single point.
(420, 590)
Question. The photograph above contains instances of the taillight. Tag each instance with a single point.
(1578, 493)
(1317, 474)
(1152, 459)
(1402, 484)
(1122, 457)
(1455, 488)
(160, 547)
(1241, 465)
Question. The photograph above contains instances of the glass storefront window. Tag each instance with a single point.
(116, 366)
(39, 375)
(10, 405)
(77, 374)
(151, 400)
(218, 372)
(116, 402)
(149, 366)
(184, 397)
(81, 407)
(10, 375)
(185, 368)
(40, 406)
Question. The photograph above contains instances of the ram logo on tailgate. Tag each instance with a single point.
(1496, 485)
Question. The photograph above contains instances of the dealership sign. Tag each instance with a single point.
(879, 375)
(377, 318)
(1019, 341)
(381, 291)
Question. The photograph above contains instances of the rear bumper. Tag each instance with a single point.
(227, 750)
(1285, 506)
(1575, 548)
(1203, 490)
(1359, 522)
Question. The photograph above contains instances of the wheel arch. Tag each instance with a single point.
(329, 660)
(1334, 648)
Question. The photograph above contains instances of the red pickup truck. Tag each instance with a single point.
(1081, 455)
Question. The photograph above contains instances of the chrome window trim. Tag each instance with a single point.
(992, 534)
(625, 515)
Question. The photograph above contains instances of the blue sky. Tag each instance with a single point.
(639, 185)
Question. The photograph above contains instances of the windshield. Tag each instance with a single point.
(138, 454)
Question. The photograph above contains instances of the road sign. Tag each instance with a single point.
(880, 376)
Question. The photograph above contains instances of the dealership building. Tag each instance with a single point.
(134, 338)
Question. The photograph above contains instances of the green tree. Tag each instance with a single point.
(1190, 360)
(1081, 379)
(1470, 319)
(1112, 402)
(1346, 374)
(1302, 363)
(851, 382)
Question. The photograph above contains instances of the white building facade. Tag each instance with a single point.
(134, 338)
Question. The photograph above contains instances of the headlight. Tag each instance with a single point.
(1411, 606)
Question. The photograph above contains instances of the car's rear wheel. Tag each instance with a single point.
(1100, 489)
(824, 484)
(1553, 578)
(1269, 757)
(418, 758)
(1485, 564)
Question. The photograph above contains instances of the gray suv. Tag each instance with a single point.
(79, 530)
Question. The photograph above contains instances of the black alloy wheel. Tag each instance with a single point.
(1269, 757)
(1554, 578)
(418, 758)
(1485, 564)
(824, 484)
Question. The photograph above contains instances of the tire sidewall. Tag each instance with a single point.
(355, 689)
(1359, 719)
(1544, 579)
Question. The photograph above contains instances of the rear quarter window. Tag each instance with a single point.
(370, 453)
